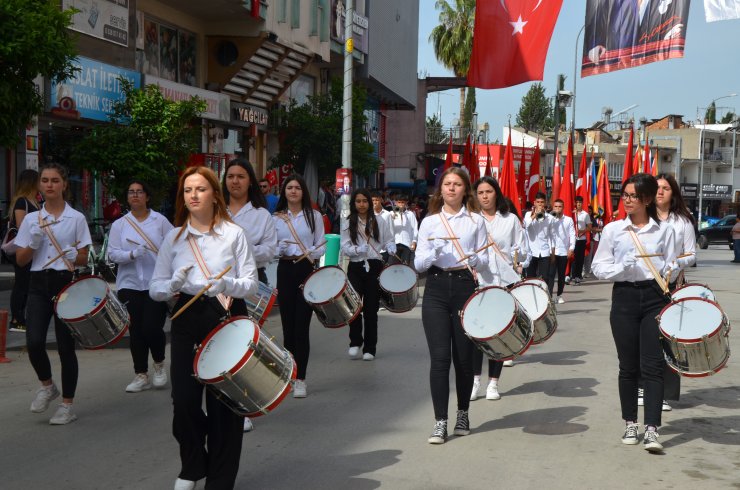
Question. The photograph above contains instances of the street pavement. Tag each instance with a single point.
(364, 425)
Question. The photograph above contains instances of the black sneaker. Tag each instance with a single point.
(16, 327)
(462, 426)
(439, 434)
(631, 434)
(650, 442)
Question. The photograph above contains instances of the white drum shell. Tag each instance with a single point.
(539, 308)
(331, 296)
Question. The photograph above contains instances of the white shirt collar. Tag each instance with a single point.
(628, 224)
(217, 230)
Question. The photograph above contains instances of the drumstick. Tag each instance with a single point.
(59, 256)
(648, 255)
(198, 295)
(49, 224)
(134, 242)
(443, 238)
(477, 251)
(682, 256)
(305, 255)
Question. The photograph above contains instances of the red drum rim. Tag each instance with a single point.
(462, 314)
(240, 363)
(330, 300)
(279, 398)
(94, 311)
(692, 340)
(268, 308)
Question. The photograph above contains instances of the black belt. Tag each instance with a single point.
(438, 271)
(637, 284)
(52, 273)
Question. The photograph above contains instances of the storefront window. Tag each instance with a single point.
(168, 53)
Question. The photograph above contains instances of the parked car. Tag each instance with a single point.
(720, 232)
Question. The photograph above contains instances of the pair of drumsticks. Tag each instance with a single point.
(467, 256)
(198, 294)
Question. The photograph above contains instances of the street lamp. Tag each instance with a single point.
(575, 78)
(701, 164)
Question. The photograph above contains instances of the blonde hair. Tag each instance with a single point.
(27, 186)
(436, 201)
(181, 211)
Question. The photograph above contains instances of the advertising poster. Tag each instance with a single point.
(343, 184)
(104, 19)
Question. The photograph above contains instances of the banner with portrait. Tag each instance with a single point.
(623, 34)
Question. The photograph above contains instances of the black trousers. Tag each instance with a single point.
(146, 328)
(404, 253)
(539, 267)
(43, 287)
(19, 294)
(295, 313)
(561, 263)
(367, 286)
(579, 255)
(634, 325)
(444, 296)
(494, 367)
(210, 445)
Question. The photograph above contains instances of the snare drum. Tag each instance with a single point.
(92, 312)
(329, 293)
(693, 290)
(399, 291)
(536, 302)
(496, 322)
(695, 339)
(537, 282)
(260, 304)
(243, 368)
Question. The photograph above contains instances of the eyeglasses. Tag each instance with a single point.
(630, 197)
(136, 192)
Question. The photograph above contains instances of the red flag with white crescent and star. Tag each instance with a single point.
(510, 41)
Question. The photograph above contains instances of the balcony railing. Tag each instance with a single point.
(442, 135)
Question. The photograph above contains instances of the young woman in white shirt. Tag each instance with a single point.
(69, 230)
(248, 208)
(362, 239)
(637, 299)
(448, 239)
(300, 231)
(136, 255)
(505, 230)
(205, 243)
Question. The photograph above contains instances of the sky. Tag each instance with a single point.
(709, 69)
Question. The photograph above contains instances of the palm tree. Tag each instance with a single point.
(453, 39)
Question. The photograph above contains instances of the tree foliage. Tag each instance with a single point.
(313, 132)
(470, 105)
(728, 118)
(711, 115)
(34, 40)
(149, 138)
(434, 129)
(452, 39)
(536, 111)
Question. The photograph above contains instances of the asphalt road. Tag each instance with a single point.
(364, 425)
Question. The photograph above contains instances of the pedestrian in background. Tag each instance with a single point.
(564, 243)
(736, 240)
(405, 228)
(23, 202)
(271, 198)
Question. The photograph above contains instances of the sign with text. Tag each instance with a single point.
(104, 19)
(716, 191)
(360, 25)
(217, 105)
(92, 91)
(247, 115)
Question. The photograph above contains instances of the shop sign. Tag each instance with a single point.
(246, 115)
(688, 191)
(360, 26)
(716, 191)
(217, 105)
(104, 19)
(92, 91)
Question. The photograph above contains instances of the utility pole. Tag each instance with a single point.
(349, 14)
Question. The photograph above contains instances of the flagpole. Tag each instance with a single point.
(575, 78)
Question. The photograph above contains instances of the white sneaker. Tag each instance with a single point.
(666, 407)
(181, 484)
(476, 388)
(159, 380)
(509, 363)
(354, 352)
(367, 356)
(560, 300)
(567, 279)
(492, 391)
(299, 388)
(63, 415)
(248, 425)
(44, 396)
(140, 383)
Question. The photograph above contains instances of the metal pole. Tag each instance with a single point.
(732, 167)
(347, 109)
(701, 174)
(575, 78)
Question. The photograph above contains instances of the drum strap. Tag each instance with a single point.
(297, 239)
(222, 298)
(648, 262)
(141, 233)
(54, 242)
(455, 242)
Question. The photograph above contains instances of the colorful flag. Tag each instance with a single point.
(556, 177)
(715, 10)
(508, 177)
(637, 159)
(510, 41)
(604, 199)
(448, 158)
(594, 185)
(654, 167)
(582, 182)
(619, 34)
(627, 171)
(646, 157)
(534, 184)
(567, 193)
(521, 176)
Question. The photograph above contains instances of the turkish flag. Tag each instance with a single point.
(448, 158)
(556, 177)
(272, 177)
(567, 194)
(510, 41)
(508, 178)
(535, 184)
(627, 172)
